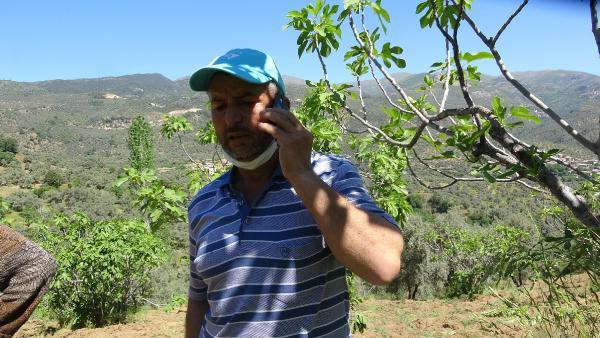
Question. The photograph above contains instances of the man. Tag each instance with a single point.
(270, 239)
(25, 273)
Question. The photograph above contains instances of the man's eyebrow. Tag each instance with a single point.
(251, 92)
(248, 94)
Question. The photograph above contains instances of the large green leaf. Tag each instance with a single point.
(523, 113)
(477, 56)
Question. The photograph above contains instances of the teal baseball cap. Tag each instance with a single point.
(247, 64)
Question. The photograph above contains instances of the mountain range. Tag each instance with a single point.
(52, 109)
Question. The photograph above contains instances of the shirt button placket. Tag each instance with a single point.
(245, 212)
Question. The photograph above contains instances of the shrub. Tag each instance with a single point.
(473, 255)
(104, 268)
(566, 267)
(6, 158)
(8, 145)
(438, 204)
(416, 201)
(53, 178)
(481, 218)
(22, 200)
(11, 174)
(4, 207)
(423, 272)
(39, 192)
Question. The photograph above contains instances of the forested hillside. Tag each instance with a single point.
(78, 128)
(70, 142)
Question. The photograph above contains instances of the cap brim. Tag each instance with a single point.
(201, 79)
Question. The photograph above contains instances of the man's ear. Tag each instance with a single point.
(287, 102)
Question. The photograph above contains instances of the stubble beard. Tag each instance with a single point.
(256, 144)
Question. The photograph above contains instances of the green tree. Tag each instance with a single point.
(439, 204)
(159, 202)
(199, 173)
(141, 144)
(8, 145)
(53, 178)
(103, 267)
(4, 210)
(478, 137)
(424, 272)
(6, 158)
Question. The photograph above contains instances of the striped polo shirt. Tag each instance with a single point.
(265, 268)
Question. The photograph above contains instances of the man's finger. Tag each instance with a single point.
(270, 129)
(284, 120)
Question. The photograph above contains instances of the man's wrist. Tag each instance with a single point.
(301, 179)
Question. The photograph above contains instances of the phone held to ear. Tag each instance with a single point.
(279, 103)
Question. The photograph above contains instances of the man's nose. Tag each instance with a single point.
(233, 115)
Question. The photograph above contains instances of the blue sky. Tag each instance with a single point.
(63, 39)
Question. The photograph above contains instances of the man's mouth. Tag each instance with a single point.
(236, 136)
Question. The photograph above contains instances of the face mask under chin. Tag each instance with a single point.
(257, 161)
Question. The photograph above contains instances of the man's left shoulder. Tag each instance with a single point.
(322, 162)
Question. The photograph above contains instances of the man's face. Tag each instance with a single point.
(235, 108)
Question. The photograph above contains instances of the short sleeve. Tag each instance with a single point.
(197, 287)
(348, 183)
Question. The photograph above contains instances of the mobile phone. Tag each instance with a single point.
(279, 103)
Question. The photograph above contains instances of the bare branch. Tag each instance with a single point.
(529, 186)
(454, 112)
(592, 146)
(576, 203)
(385, 93)
(432, 93)
(185, 150)
(447, 80)
(362, 22)
(360, 95)
(496, 153)
(155, 305)
(428, 132)
(456, 50)
(366, 31)
(356, 132)
(366, 123)
(439, 171)
(420, 114)
(508, 21)
(412, 172)
(454, 180)
(595, 28)
(362, 105)
(575, 169)
(438, 23)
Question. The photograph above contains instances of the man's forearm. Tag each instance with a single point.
(365, 243)
(196, 310)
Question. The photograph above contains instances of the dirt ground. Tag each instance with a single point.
(385, 318)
